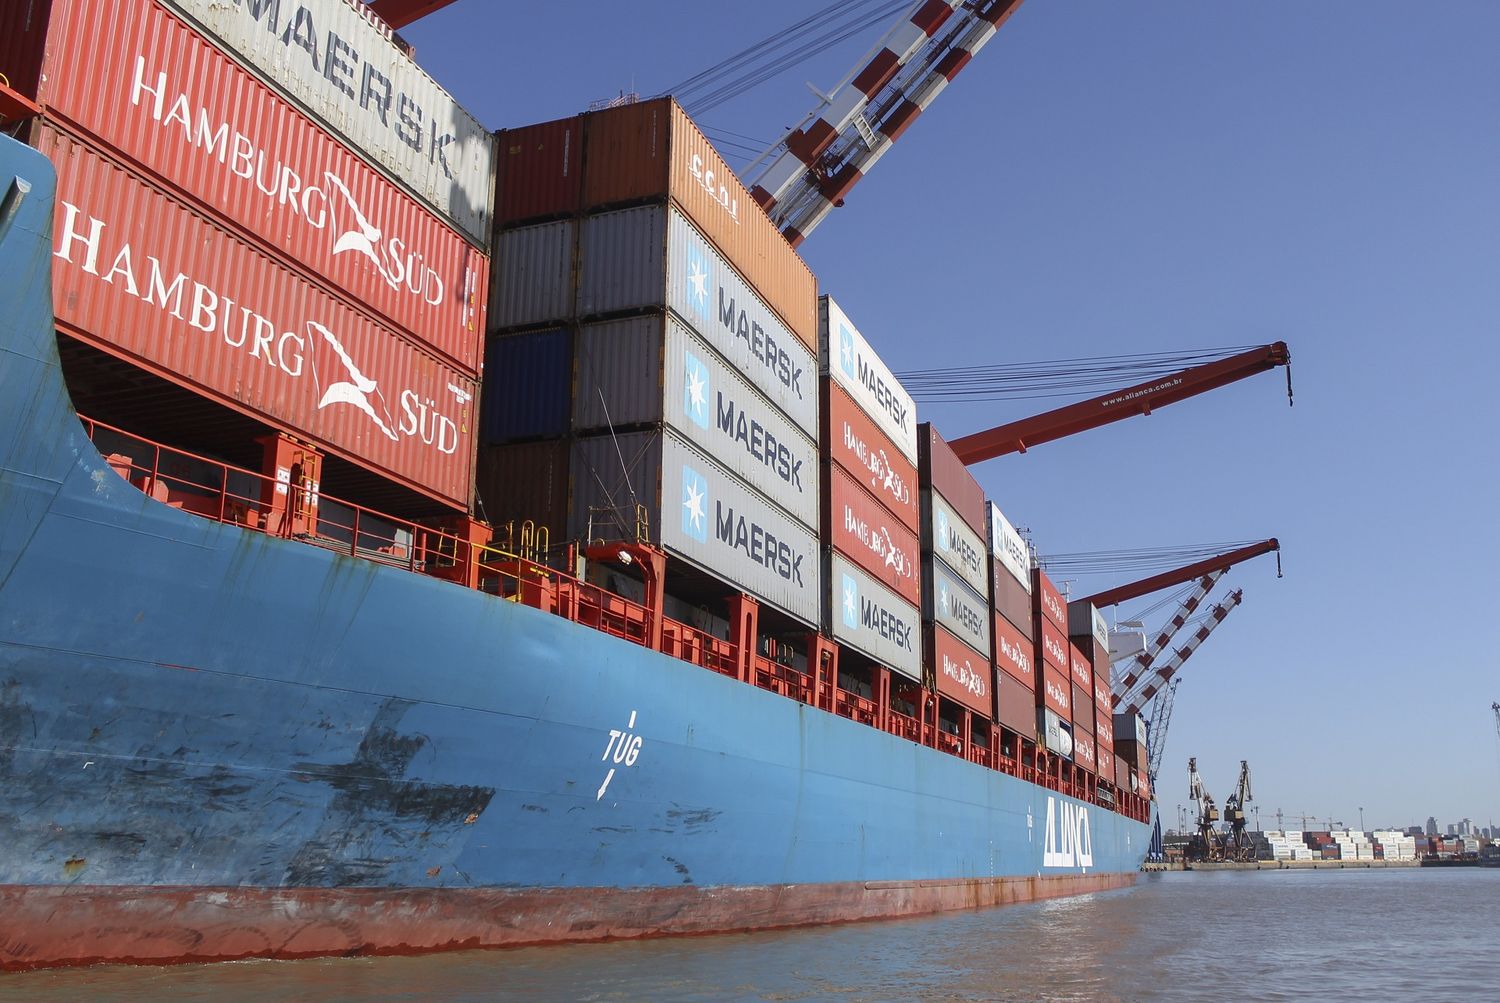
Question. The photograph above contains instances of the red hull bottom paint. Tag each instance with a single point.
(51, 927)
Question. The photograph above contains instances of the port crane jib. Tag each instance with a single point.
(1142, 662)
(1185, 574)
(1164, 674)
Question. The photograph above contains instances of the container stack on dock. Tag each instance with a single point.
(871, 514)
(235, 224)
(957, 619)
(651, 325)
(1395, 845)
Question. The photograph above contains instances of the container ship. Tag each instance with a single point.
(416, 537)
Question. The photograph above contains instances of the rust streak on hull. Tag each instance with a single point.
(54, 926)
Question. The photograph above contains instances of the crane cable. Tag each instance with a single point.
(1121, 562)
(1054, 378)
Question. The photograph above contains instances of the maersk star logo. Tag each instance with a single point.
(695, 389)
(851, 602)
(942, 529)
(942, 595)
(846, 351)
(694, 505)
(697, 277)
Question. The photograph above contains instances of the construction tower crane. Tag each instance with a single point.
(1143, 398)
(807, 173)
(1180, 576)
(1236, 843)
(1205, 841)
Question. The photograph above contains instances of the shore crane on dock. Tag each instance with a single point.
(1236, 843)
(1205, 842)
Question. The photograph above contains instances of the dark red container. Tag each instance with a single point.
(1052, 647)
(1084, 750)
(23, 25)
(525, 483)
(539, 171)
(1104, 756)
(1011, 600)
(141, 277)
(962, 676)
(1015, 705)
(854, 442)
(1049, 601)
(1100, 662)
(1083, 710)
(1083, 672)
(1055, 693)
(939, 466)
(1122, 773)
(867, 533)
(1103, 701)
(1015, 653)
(145, 86)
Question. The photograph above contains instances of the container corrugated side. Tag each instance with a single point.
(701, 513)
(1129, 728)
(1052, 646)
(1015, 705)
(622, 261)
(1104, 759)
(1013, 652)
(144, 84)
(1049, 602)
(1083, 747)
(533, 276)
(652, 150)
(339, 62)
(1102, 699)
(538, 171)
(23, 30)
(527, 380)
(1082, 671)
(1104, 727)
(1054, 692)
(525, 482)
(1054, 731)
(853, 442)
(139, 275)
(846, 357)
(651, 369)
(939, 467)
(1009, 549)
(1083, 709)
(1010, 601)
(867, 533)
(872, 619)
(960, 674)
(1084, 619)
(948, 601)
(951, 540)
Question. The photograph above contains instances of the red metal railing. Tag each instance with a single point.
(228, 494)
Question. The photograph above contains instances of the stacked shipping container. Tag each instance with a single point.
(647, 328)
(212, 233)
(871, 514)
(1088, 635)
(1014, 632)
(1055, 690)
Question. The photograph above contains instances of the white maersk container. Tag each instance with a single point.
(845, 355)
(342, 65)
(868, 617)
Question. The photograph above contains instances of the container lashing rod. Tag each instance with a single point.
(822, 158)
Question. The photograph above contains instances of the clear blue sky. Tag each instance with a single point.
(1171, 174)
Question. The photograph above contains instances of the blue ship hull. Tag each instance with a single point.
(215, 743)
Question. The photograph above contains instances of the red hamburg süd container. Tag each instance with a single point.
(539, 171)
(1049, 602)
(1052, 647)
(1104, 727)
(1083, 710)
(1104, 756)
(1083, 672)
(152, 89)
(855, 443)
(140, 276)
(652, 150)
(867, 533)
(1010, 599)
(1084, 750)
(940, 467)
(1055, 693)
(1015, 705)
(1014, 653)
(962, 676)
(1103, 701)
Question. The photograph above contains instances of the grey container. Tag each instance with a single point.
(868, 617)
(947, 600)
(950, 539)
(652, 369)
(533, 276)
(697, 511)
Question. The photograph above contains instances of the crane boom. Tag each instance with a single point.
(1167, 579)
(852, 128)
(1161, 720)
(1142, 662)
(1143, 398)
(400, 13)
(1164, 674)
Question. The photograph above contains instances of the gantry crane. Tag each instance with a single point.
(1236, 843)
(1205, 842)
